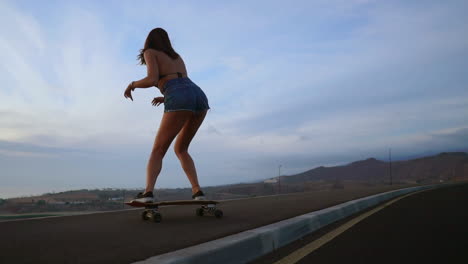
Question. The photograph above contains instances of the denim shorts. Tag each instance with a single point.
(183, 94)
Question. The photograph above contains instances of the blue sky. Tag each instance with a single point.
(302, 84)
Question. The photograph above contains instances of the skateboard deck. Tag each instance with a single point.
(151, 212)
(163, 203)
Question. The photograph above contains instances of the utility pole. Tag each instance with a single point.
(279, 179)
(390, 159)
(123, 199)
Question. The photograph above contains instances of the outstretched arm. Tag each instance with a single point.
(152, 77)
(150, 80)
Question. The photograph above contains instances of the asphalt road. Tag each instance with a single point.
(427, 227)
(122, 237)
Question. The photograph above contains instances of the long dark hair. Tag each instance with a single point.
(158, 39)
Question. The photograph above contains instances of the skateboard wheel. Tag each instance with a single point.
(199, 211)
(144, 215)
(218, 213)
(157, 217)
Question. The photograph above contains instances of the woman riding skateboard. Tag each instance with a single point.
(185, 108)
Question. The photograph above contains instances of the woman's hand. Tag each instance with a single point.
(157, 101)
(129, 90)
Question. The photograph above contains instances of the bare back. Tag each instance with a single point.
(167, 65)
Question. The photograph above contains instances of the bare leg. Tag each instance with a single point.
(189, 169)
(181, 148)
(171, 124)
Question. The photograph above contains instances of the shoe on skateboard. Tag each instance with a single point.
(198, 196)
(144, 198)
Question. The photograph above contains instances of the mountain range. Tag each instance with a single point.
(445, 166)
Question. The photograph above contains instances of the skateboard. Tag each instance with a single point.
(151, 211)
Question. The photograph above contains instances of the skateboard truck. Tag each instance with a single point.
(209, 209)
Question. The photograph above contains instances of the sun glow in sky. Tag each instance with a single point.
(302, 84)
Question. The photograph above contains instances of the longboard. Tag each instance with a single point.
(151, 211)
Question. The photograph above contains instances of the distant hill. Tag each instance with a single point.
(452, 166)
(444, 166)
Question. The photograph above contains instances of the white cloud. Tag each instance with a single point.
(73, 89)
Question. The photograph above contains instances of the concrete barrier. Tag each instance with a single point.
(249, 245)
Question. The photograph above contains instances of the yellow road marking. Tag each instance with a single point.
(309, 248)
